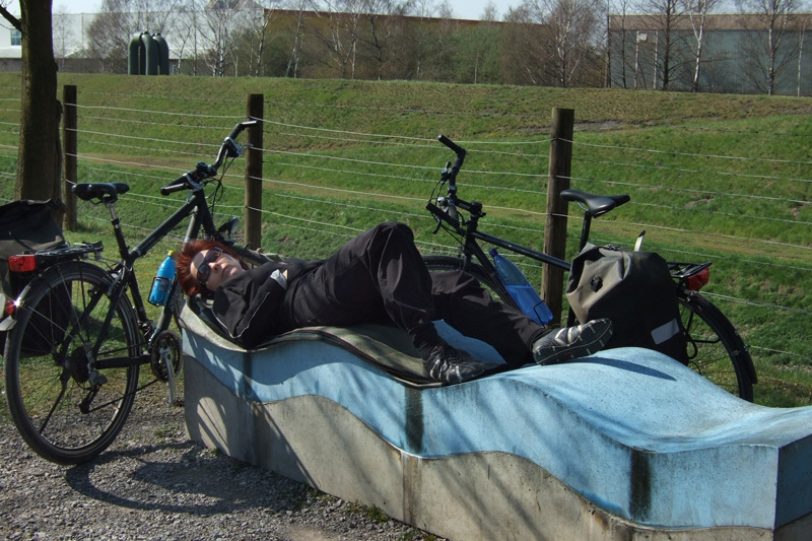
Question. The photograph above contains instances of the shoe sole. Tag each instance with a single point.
(567, 353)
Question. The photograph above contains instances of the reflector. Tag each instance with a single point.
(22, 263)
(698, 280)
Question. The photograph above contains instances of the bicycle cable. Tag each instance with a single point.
(218, 190)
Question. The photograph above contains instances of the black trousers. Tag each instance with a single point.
(379, 276)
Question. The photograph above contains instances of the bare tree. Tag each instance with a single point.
(119, 20)
(617, 41)
(768, 22)
(220, 25)
(341, 35)
(63, 34)
(490, 12)
(381, 29)
(38, 153)
(295, 57)
(256, 20)
(697, 11)
(551, 40)
(185, 34)
(664, 15)
(801, 36)
(216, 34)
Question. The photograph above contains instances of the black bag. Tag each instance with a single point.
(634, 290)
(27, 227)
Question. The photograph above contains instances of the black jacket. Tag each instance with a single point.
(247, 306)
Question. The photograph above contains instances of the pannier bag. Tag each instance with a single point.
(27, 227)
(634, 290)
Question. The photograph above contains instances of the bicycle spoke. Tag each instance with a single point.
(64, 380)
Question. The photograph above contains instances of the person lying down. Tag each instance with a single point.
(377, 277)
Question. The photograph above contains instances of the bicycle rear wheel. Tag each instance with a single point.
(715, 349)
(65, 403)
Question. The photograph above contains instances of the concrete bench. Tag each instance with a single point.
(625, 444)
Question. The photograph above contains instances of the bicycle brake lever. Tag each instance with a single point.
(235, 149)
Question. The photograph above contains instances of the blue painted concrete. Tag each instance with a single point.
(631, 430)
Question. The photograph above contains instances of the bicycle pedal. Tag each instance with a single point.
(96, 379)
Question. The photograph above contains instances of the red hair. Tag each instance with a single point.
(183, 262)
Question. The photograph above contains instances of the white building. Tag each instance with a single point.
(69, 33)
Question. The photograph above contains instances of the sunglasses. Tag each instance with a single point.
(204, 270)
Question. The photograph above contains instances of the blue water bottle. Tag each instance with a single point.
(163, 281)
(526, 297)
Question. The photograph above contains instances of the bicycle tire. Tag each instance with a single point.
(45, 388)
(449, 263)
(715, 349)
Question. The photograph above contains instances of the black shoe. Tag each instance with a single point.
(449, 365)
(560, 345)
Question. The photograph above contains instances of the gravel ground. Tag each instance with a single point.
(153, 483)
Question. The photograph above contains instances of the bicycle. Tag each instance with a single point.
(70, 397)
(715, 348)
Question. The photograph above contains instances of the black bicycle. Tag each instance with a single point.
(79, 331)
(715, 348)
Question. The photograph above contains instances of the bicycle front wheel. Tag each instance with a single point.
(66, 402)
(715, 349)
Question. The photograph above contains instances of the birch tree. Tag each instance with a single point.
(769, 52)
(621, 8)
(664, 16)
(555, 41)
(340, 35)
(697, 11)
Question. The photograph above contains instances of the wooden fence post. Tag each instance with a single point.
(555, 231)
(69, 148)
(253, 174)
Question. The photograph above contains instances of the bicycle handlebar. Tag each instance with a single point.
(229, 148)
(459, 151)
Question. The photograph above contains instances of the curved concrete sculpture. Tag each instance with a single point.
(625, 444)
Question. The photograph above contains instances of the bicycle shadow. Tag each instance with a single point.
(182, 477)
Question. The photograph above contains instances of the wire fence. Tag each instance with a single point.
(749, 212)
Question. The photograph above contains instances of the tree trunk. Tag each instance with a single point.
(38, 158)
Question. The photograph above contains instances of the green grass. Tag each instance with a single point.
(712, 177)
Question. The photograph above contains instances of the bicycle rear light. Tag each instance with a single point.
(9, 308)
(698, 280)
(22, 263)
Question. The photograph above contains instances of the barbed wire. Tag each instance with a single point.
(704, 172)
(655, 187)
(424, 143)
(691, 154)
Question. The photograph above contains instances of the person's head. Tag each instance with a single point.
(202, 265)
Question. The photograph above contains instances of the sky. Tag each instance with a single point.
(463, 9)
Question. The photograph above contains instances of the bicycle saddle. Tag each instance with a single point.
(596, 204)
(105, 191)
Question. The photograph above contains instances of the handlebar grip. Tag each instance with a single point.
(174, 187)
(458, 150)
(240, 127)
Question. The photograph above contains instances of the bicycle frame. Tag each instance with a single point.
(197, 207)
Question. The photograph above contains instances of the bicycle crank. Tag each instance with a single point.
(165, 352)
